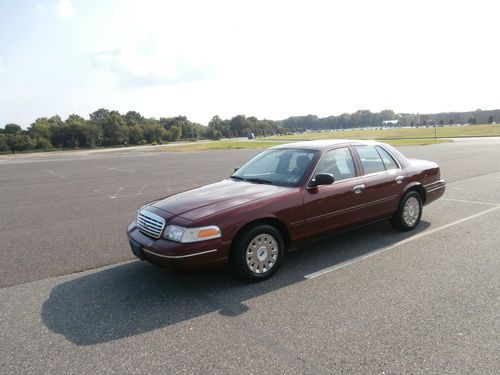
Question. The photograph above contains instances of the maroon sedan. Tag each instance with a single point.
(283, 197)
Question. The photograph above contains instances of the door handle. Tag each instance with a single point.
(358, 189)
(400, 179)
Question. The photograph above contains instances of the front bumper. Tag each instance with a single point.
(182, 257)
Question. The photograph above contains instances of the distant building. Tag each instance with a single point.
(470, 117)
(390, 122)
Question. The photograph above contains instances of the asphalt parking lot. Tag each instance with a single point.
(73, 300)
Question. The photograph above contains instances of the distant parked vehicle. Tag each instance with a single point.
(285, 196)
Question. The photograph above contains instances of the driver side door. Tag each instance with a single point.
(335, 207)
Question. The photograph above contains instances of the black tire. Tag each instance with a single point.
(408, 219)
(268, 242)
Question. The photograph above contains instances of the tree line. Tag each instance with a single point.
(105, 128)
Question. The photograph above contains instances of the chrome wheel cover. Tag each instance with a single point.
(262, 253)
(411, 211)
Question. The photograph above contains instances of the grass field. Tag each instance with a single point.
(386, 134)
(219, 145)
(228, 145)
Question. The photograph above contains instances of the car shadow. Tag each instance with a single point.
(137, 297)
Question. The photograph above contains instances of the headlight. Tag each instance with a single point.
(187, 235)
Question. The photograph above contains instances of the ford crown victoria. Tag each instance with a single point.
(283, 197)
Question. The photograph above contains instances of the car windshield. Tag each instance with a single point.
(283, 167)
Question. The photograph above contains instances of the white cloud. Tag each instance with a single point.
(39, 7)
(65, 9)
(265, 58)
(282, 58)
(136, 67)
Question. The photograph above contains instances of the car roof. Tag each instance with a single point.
(323, 144)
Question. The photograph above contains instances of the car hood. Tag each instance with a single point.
(209, 199)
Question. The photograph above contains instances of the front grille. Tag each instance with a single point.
(150, 224)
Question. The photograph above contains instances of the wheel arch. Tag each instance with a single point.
(416, 186)
(272, 221)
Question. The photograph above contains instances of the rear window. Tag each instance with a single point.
(370, 159)
(388, 160)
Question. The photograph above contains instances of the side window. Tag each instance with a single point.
(339, 163)
(388, 160)
(370, 159)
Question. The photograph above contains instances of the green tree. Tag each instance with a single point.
(133, 118)
(115, 132)
(12, 129)
(153, 131)
(42, 143)
(175, 133)
(40, 128)
(220, 126)
(387, 114)
(239, 126)
(4, 146)
(135, 134)
(19, 142)
(76, 132)
(41, 133)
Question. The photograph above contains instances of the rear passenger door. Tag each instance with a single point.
(383, 179)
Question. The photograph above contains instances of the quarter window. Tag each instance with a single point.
(388, 160)
(339, 163)
(370, 159)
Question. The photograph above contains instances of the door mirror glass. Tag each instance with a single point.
(322, 179)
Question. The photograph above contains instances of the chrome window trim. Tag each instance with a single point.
(378, 153)
(319, 161)
(377, 173)
(391, 155)
(299, 183)
(348, 146)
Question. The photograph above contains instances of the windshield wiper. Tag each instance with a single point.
(258, 181)
(237, 178)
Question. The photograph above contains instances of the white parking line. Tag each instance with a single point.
(115, 169)
(107, 195)
(413, 238)
(142, 189)
(54, 174)
(467, 201)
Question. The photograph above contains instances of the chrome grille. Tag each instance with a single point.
(150, 224)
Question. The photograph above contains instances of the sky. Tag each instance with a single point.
(269, 59)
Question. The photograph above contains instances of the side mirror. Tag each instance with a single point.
(235, 169)
(322, 179)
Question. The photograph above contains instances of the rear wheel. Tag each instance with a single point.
(258, 252)
(409, 212)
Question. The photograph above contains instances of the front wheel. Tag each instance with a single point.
(409, 212)
(258, 252)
